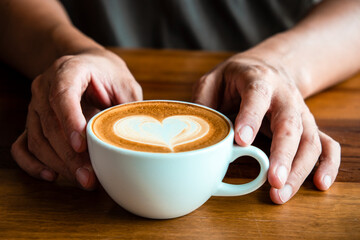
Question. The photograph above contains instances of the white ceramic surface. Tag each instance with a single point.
(169, 185)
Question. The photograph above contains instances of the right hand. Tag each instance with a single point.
(63, 99)
(264, 94)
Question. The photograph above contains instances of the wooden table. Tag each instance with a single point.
(33, 209)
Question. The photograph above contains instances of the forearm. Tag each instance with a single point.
(323, 49)
(35, 33)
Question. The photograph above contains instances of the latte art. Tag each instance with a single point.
(160, 126)
(172, 131)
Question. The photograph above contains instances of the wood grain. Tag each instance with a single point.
(33, 209)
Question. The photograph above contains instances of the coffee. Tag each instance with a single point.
(160, 126)
(160, 177)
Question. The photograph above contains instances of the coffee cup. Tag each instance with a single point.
(163, 159)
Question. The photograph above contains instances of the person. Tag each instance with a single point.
(264, 84)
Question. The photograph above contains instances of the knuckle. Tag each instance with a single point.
(70, 64)
(121, 62)
(254, 70)
(294, 90)
(330, 161)
(66, 122)
(199, 87)
(285, 156)
(262, 88)
(137, 91)
(332, 144)
(17, 154)
(35, 86)
(202, 81)
(291, 125)
(49, 125)
(313, 140)
(56, 95)
(60, 88)
(300, 173)
(69, 155)
(335, 147)
(257, 70)
(254, 117)
(61, 61)
(15, 148)
(72, 161)
(288, 124)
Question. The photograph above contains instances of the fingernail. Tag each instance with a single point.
(47, 175)
(282, 174)
(246, 134)
(76, 140)
(285, 193)
(327, 181)
(82, 176)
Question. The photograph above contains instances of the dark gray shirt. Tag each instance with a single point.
(233, 25)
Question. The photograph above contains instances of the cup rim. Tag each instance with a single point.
(91, 134)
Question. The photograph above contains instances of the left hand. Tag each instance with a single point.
(64, 98)
(258, 89)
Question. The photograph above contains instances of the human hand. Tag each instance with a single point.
(258, 90)
(64, 97)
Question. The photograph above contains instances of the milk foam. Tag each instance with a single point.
(170, 132)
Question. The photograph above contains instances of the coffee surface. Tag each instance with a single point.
(160, 126)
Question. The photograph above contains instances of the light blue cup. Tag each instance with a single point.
(169, 185)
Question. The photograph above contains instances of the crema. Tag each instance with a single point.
(160, 126)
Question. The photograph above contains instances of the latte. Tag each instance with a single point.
(160, 126)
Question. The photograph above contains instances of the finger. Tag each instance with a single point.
(113, 83)
(40, 148)
(286, 125)
(207, 89)
(28, 162)
(126, 89)
(68, 85)
(255, 102)
(85, 175)
(61, 156)
(329, 162)
(305, 159)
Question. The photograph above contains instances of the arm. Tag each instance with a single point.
(323, 49)
(36, 33)
(74, 78)
(271, 80)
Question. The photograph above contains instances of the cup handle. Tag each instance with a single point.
(226, 189)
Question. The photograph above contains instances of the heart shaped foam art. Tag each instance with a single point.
(170, 132)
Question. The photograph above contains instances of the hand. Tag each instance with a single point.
(256, 90)
(72, 90)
